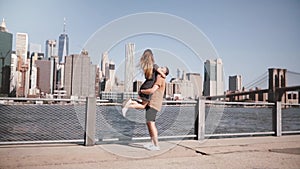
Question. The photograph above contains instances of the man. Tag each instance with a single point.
(153, 107)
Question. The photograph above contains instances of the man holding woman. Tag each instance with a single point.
(155, 93)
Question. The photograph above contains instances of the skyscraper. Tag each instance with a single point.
(50, 48)
(63, 51)
(104, 62)
(213, 78)
(196, 80)
(111, 76)
(53, 73)
(44, 75)
(63, 45)
(22, 53)
(5, 58)
(235, 83)
(22, 46)
(33, 75)
(129, 67)
(80, 75)
(13, 74)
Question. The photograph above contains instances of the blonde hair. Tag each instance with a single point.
(146, 63)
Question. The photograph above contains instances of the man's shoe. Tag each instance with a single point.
(148, 145)
(153, 148)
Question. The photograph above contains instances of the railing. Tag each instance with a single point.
(251, 119)
(238, 119)
(91, 121)
(175, 120)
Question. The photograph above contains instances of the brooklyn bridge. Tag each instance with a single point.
(282, 85)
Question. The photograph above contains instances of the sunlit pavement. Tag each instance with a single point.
(247, 152)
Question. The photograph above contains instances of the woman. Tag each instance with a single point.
(151, 70)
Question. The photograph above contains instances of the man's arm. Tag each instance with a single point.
(159, 81)
(161, 72)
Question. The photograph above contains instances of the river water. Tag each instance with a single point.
(67, 122)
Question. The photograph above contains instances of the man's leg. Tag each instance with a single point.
(150, 117)
(153, 132)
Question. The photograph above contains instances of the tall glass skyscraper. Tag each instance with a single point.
(235, 83)
(129, 67)
(63, 45)
(213, 78)
(5, 59)
(63, 51)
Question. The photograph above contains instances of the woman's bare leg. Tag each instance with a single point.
(137, 105)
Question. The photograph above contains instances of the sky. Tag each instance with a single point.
(249, 36)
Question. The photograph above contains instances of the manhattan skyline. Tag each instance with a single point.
(249, 36)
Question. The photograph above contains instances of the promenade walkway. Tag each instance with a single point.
(251, 152)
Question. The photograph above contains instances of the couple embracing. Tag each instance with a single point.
(151, 94)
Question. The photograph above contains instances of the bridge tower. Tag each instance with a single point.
(277, 79)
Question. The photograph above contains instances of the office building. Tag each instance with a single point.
(196, 80)
(43, 76)
(50, 49)
(63, 45)
(63, 51)
(104, 63)
(80, 76)
(169, 90)
(22, 46)
(180, 89)
(23, 65)
(213, 78)
(60, 73)
(13, 74)
(235, 83)
(109, 79)
(129, 67)
(53, 73)
(179, 76)
(33, 91)
(110, 76)
(5, 59)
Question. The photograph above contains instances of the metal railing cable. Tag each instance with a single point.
(61, 121)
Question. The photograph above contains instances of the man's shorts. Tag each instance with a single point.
(150, 114)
